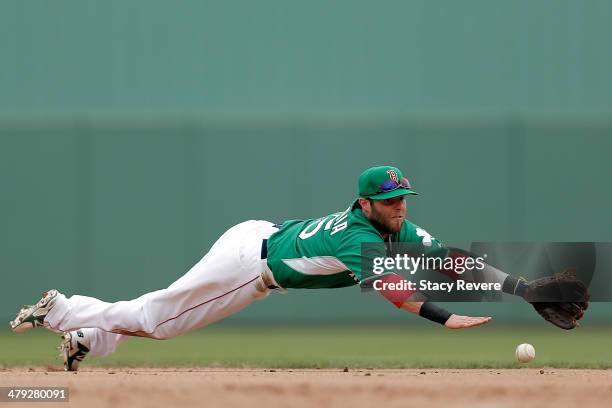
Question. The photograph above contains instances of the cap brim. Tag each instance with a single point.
(393, 194)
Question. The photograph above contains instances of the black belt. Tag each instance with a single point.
(264, 244)
(264, 255)
(264, 249)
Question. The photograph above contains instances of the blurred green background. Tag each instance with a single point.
(134, 133)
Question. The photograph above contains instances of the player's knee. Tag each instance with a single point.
(153, 326)
(162, 335)
(148, 323)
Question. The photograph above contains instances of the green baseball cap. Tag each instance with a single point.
(384, 182)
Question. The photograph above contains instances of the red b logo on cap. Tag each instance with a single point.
(393, 175)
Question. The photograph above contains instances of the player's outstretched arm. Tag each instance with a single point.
(425, 308)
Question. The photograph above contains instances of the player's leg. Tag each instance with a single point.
(223, 282)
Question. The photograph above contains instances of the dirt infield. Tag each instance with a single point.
(322, 388)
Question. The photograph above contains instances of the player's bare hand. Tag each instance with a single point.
(462, 322)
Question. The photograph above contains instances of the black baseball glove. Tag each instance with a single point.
(560, 299)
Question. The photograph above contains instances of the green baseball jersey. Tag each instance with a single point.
(327, 252)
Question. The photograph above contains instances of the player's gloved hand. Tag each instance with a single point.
(560, 299)
(462, 322)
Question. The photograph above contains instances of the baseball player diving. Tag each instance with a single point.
(255, 257)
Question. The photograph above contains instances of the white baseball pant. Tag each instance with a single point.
(227, 279)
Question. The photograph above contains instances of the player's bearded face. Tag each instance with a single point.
(388, 215)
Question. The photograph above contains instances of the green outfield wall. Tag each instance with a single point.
(115, 209)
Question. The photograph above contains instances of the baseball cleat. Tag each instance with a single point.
(31, 316)
(73, 350)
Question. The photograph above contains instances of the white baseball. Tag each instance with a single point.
(525, 353)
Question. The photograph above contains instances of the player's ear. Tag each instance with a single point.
(365, 205)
